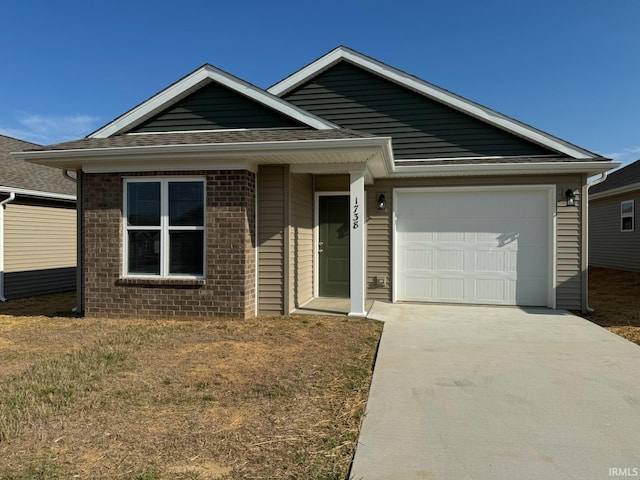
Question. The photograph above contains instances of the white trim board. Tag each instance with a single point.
(432, 91)
(194, 81)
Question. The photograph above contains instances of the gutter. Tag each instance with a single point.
(3, 203)
(585, 236)
(37, 193)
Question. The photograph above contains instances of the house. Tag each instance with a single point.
(37, 226)
(349, 178)
(614, 233)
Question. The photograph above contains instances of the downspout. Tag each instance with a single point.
(78, 307)
(3, 203)
(65, 172)
(585, 236)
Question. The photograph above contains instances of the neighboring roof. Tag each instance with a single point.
(192, 82)
(433, 92)
(23, 175)
(204, 138)
(620, 181)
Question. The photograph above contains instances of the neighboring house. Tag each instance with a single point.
(37, 226)
(614, 233)
(349, 178)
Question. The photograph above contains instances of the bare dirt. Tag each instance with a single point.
(278, 398)
(615, 297)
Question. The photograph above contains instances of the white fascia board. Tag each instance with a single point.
(38, 193)
(432, 91)
(191, 83)
(633, 187)
(501, 169)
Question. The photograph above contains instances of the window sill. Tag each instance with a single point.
(162, 282)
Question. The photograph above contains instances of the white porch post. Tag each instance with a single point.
(357, 246)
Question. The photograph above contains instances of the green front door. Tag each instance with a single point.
(333, 246)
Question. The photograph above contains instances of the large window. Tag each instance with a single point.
(164, 227)
(626, 216)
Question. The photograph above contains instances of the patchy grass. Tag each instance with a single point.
(615, 297)
(277, 398)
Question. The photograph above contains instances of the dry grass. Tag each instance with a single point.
(278, 398)
(615, 297)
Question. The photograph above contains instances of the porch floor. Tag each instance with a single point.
(329, 306)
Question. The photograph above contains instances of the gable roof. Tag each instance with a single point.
(190, 84)
(433, 92)
(621, 181)
(23, 176)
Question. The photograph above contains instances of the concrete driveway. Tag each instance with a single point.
(499, 393)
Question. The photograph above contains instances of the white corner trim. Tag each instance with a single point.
(432, 91)
(197, 79)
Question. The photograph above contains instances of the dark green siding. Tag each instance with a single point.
(39, 282)
(421, 128)
(215, 107)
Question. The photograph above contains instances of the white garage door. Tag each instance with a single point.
(473, 245)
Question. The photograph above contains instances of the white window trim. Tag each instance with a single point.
(628, 215)
(164, 227)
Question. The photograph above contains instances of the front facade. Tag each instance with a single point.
(347, 179)
(614, 235)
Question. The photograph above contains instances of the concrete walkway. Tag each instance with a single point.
(499, 393)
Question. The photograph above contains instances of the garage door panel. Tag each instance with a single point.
(489, 290)
(450, 260)
(450, 289)
(473, 246)
(494, 260)
(417, 258)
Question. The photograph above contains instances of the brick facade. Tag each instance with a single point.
(228, 289)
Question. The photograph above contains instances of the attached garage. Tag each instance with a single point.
(479, 245)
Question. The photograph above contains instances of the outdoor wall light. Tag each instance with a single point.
(382, 202)
(571, 198)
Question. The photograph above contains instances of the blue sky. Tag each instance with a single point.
(568, 67)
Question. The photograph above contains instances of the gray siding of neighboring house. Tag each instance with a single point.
(300, 240)
(215, 107)
(271, 240)
(609, 247)
(421, 128)
(568, 232)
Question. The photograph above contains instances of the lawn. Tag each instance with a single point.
(615, 297)
(267, 398)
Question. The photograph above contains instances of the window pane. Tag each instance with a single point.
(627, 224)
(186, 204)
(185, 253)
(627, 207)
(143, 203)
(144, 252)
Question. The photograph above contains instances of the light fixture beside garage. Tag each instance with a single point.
(382, 202)
(571, 198)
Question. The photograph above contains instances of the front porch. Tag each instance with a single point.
(301, 267)
(330, 306)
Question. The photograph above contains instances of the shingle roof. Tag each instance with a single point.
(206, 137)
(620, 178)
(28, 176)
